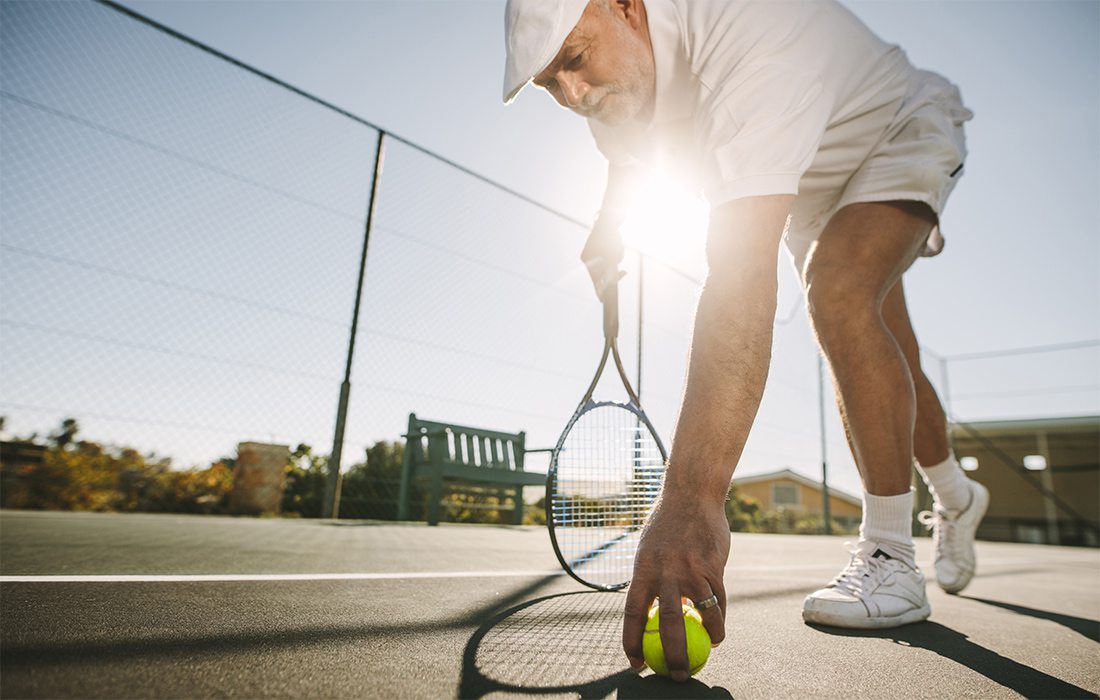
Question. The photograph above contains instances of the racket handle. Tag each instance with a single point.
(611, 308)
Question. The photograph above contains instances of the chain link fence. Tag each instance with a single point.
(182, 239)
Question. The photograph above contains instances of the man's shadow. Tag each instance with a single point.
(1090, 629)
(567, 643)
(948, 643)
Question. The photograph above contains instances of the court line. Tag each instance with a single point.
(388, 576)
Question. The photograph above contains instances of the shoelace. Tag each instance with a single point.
(943, 532)
(862, 569)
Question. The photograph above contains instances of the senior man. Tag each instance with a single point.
(796, 122)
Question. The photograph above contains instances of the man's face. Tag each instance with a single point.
(605, 69)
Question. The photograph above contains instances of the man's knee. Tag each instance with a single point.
(865, 248)
(837, 299)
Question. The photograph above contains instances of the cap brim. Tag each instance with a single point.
(510, 95)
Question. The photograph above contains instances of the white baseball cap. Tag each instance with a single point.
(534, 31)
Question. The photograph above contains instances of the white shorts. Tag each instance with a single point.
(919, 157)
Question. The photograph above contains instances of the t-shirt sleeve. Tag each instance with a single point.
(760, 130)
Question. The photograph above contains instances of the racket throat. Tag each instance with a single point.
(610, 349)
(622, 372)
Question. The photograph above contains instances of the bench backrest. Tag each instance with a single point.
(430, 442)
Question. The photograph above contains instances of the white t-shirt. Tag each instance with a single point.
(754, 97)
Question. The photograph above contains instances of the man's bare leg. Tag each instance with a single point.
(858, 259)
(930, 442)
(930, 446)
(959, 502)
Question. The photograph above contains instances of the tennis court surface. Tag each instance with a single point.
(103, 605)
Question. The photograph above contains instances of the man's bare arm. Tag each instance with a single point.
(731, 347)
(685, 544)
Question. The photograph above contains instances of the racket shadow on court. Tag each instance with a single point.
(1027, 681)
(568, 643)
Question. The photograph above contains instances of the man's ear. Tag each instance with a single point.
(630, 10)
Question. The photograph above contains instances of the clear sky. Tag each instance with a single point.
(1020, 268)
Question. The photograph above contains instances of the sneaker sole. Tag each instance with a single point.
(817, 617)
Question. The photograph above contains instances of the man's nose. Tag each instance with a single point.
(573, 91)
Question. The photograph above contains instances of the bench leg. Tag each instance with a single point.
(403, 495)
(517, 512)
(435, 498)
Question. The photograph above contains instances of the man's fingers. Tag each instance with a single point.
(673, 639)
(634, 620)
(604, 272)
(720, 591)
(714, 618)
(595, 273)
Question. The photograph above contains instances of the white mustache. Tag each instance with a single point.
(592, 101)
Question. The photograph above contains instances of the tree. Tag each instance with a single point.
(305, 482)
(66, 433)
(742, 512)
(86, 475)
(371, 489)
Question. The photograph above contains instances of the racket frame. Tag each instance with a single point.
(610, 299)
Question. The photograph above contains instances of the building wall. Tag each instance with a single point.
(809, 499)
(1018, 510)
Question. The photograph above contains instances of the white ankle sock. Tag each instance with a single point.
(888, 521)
(948, 484)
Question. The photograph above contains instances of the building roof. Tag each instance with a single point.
(798, 478)
(1083, 424)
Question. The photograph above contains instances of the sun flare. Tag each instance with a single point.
(666, 220)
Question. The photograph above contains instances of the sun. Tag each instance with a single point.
(666, 221)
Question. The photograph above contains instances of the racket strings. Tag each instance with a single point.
(609, 471)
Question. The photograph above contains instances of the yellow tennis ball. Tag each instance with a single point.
(698, 641)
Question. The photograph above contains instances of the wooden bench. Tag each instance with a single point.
(443, 452)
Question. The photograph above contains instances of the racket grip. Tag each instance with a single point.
(611, 308)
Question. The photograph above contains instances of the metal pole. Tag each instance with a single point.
(947, 404)
(1046, 477)
(641, 315)
(824, 461)
(330, 506)
(639, 476)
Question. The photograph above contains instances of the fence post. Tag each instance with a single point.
(641, 314)
(824, 461)
(947, 404)
(1046, 477)
(330, 507)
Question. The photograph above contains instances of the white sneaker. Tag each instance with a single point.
(953, 539)
(874, 591)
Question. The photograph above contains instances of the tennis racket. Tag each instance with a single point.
(605, 474)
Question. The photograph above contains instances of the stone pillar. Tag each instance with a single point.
(259, 479)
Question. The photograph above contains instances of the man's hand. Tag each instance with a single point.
(682, 552)
(602, 254)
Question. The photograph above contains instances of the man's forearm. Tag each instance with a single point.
(727, 370)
